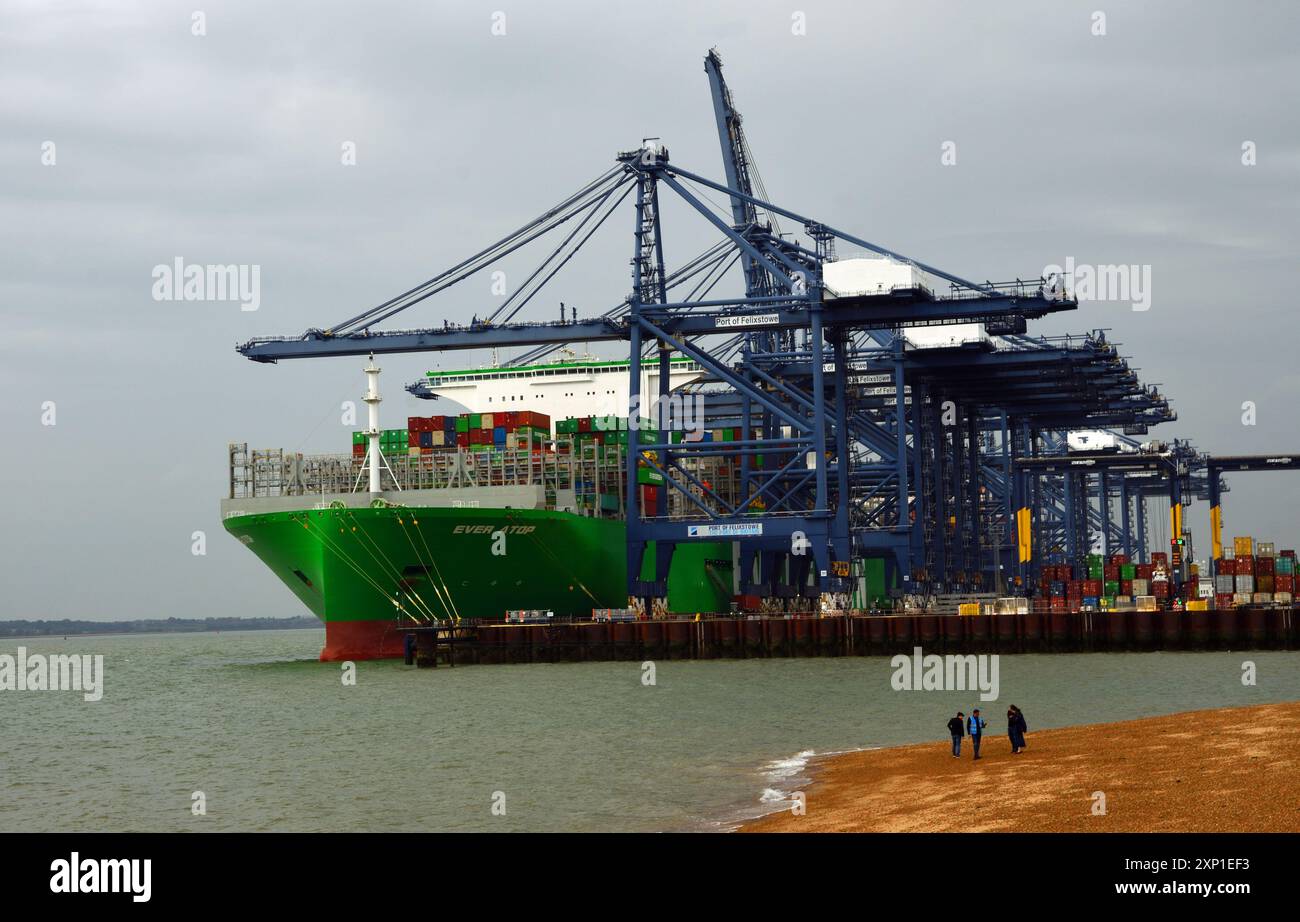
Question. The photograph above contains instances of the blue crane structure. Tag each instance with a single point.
(947, 463)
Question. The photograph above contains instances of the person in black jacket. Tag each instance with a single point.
(957, 727)
(1016, 728)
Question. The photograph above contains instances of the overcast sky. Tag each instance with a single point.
(226, 148)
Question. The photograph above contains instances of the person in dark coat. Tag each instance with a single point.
(1016, 729)
(975, 729)
(957, 727)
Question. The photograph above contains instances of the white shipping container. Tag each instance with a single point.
(946, 336)
(871, 276)
(1241, 598)
(1141, 587)
(1245, 584)
(1225, 584)
(1145, 603)
(1263, 598)
(1265, 549)
(1092, 440)
(1282, 598)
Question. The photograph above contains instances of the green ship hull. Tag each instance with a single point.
(367, 572)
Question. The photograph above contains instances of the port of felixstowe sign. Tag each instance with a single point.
(724, 531)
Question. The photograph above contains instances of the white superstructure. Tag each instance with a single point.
(586, 386)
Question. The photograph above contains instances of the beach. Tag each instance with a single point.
(1223, 770)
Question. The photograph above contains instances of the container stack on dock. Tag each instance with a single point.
(1254, 573)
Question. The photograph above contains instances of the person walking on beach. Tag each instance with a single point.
(957, 727)
(975, 730)
(1016, 728)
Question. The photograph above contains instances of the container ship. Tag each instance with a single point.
(470, 515)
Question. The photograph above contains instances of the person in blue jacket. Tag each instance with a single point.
(975, 730)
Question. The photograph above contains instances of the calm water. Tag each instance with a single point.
(277, 742)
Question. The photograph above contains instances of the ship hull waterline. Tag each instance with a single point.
(368, 573)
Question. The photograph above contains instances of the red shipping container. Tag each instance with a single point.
(1264, 566)
(1119, 559)
(1223, 600)
(1245, 566)
(584, 424)
(462, 440)
(412, 438)
(1160, 588)
(358, 451)
(1111, 571)
(1159, 557)
(1144, 570)
(1284, 582)
(1126, 587)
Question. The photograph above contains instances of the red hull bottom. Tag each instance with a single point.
(356, 640)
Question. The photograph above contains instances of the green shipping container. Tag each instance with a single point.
(462, 423)
(1112, 587)
(649, 476)
(475, 421)
(1095, 572)
(358, 438)
(1128, 571)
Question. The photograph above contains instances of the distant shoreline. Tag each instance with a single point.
(67, 628)
(1220, 770)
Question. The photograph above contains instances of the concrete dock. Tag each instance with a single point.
(759, 636)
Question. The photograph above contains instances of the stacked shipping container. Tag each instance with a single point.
(1255, 573)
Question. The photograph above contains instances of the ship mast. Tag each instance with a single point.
(372, 400)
